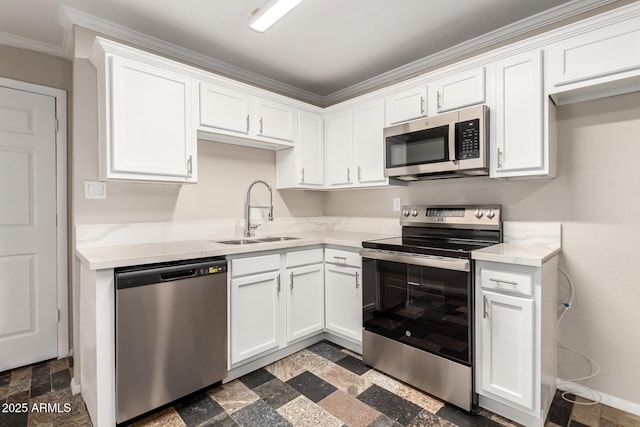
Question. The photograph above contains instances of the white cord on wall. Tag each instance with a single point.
(594, 367)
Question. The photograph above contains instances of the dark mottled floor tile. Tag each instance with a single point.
(256, 378)
(40, 371)
(194, 410)
(276, 393)
(314, 388)
(60, 380)
(460, 418)
(328, 351)
(356, 366)
(40, 389)
(560, 411)
(14, 419)
(5, 378)
(391, 405)
(259, 414)
(577, 424)
(427, 419)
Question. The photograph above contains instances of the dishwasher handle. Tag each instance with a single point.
(150, 274)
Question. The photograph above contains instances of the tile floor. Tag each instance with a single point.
(322, 385)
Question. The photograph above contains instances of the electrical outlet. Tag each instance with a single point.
(396, 204)
(95, 190)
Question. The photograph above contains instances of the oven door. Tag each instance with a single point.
(421, 306)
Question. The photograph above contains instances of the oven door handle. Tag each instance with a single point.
(458, 264)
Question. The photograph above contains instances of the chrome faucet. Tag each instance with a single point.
(249, 230)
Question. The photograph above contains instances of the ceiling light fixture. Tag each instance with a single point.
(270, 13)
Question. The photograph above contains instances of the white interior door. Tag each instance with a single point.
(28, 270)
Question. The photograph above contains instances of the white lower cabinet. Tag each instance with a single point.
(343, 294)
(515, 347)
(305, 305)
(275, 299)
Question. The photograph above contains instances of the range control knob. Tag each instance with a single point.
(405, 212)
(414, 212)
(490, 214)
(478, 213)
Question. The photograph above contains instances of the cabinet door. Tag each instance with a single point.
(338, 133)
(343, 301)
(407, 105)
(368, 143)
(224, 109)
(518, 115)
(507, 342)
(275, 120)
(601, 52)
(255, 315)
(151, 123)
(305, 306)
(460, 90)
(310, 150)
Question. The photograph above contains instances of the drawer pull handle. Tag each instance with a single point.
(340, 257)
(506, 282)
(291, 274)
(278, 282)
(357, 277)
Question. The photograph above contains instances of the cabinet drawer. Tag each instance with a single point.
(336, 256)
(308, 256)
(253, 265)
(508, 281)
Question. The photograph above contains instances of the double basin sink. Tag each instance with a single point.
(250, 241)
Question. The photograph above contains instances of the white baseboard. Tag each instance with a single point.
(606, 399)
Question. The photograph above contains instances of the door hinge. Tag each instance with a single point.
(58, 315)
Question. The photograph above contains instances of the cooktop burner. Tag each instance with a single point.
(451, 231)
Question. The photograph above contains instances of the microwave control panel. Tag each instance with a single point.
(468, 139)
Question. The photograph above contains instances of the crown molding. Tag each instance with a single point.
(25, 43)
(404, 72)
(68, 17)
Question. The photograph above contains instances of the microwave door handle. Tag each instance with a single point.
(452, 142)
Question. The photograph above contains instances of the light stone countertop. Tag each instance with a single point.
(516, 253)
(98, 258)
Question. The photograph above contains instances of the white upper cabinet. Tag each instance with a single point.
(303, 166)
(519, 146)
(146, 127)
(275, 121)
(229, 112)
(406, 105)
(224, 109)
(338, 140)
(460, 90)
(603, 59)
(368, 143)
(353, 146)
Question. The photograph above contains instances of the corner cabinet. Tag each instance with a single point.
(520, 144)
(303, 165)
(515, 328)
(146, 126)
(354, 146)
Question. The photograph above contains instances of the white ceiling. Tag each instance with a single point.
(318, 51)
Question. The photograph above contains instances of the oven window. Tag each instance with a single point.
(424, 307)
(425, 146)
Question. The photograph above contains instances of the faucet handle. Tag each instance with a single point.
(254, 226)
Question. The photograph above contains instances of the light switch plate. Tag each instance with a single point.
(396, 204)
(95, 190)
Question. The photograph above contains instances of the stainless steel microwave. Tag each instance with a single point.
(443, 146)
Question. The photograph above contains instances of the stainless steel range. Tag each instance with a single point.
(418, 298)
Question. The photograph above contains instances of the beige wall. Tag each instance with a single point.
(595, 197)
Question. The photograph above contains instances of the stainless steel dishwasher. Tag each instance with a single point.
(171, 332)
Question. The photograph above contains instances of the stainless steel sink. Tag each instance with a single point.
(277, 239)
(237, 242)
